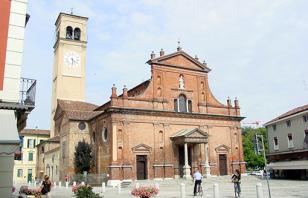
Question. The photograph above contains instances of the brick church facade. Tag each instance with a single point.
(164, 127)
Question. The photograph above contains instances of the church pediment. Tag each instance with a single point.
(222, 149)
(180, 59)
(197, 134)
(142, 148)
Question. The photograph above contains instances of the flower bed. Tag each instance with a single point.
(35, 192)
(145, 192)
(82, 191)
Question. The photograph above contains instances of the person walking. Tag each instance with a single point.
(236, 179)
(198, 180)
(46, 185)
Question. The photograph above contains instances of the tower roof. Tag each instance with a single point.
(69, 15)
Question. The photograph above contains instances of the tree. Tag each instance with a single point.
(83, 157)
(253, 160)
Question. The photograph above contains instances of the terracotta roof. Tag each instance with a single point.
(81, 115)
(35, 132)
(76, 105)
(289, 113)
(53, 139)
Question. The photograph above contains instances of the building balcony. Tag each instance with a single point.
(27, 92)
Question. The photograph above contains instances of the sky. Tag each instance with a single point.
(257, 49)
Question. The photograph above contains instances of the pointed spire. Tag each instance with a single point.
(152, 55)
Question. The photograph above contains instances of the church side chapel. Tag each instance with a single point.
(164, 127)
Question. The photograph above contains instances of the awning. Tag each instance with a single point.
(8, 123)
(289, 165)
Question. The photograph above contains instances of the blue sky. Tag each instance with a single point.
(257, 50)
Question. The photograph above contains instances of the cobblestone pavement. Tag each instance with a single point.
(171, 188)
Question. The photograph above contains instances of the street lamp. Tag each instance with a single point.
(258, 150)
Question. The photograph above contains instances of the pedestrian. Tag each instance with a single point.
(46, 185)
(198, 180)
(236, 179)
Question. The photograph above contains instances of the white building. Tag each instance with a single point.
(17, 95)
(288, 144)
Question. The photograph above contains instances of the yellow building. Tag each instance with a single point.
(25, 160)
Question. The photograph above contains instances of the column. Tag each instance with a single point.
(186, 166)
(114, 143)
(207, 165)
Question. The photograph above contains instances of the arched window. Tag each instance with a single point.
(69, 32)
(182, 103)
(77, 34)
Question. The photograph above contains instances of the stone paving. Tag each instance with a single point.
(171, 188)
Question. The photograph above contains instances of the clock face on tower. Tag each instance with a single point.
(72, 59)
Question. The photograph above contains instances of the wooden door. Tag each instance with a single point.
(223, 164)
(141, 167)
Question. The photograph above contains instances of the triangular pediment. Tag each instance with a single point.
(142, 148)
(222, 149)
(180, 59)
(197, 134)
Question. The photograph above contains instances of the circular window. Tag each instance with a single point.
(105, 134)
(82, 125)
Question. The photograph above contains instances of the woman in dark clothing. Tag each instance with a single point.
(46, 185)
(236, 179)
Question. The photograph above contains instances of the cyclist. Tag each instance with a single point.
(198, 180)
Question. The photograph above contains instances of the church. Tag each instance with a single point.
(165, 127)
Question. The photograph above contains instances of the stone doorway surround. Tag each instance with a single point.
(191, 136)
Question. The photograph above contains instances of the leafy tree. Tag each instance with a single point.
(83, 157)
(253, 160)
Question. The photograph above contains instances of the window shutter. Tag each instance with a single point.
(28, 143)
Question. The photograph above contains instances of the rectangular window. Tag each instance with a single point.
(189, 106)
(306, 139)
(288, 122)
(19, 172)
(274, 127)
(276, 146)
(30, 158)
(305, 118)
(290, 141)
(31, 143)
(176, 108)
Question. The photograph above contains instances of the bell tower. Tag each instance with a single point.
(68, 79)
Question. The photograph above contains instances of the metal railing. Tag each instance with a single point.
(27, 91)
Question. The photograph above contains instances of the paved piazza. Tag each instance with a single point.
(171, 188)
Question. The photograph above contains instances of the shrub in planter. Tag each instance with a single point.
(36, 192)
(145, 192)
(84, 191)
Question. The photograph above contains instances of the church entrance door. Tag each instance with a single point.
(141, 167)
(223, 164)
(182, 159)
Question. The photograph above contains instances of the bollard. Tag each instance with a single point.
(183, 190)
(157, 186)
(74, 183)
(55, 184)
(259, 190)
(216, 191)
(137, 185)
(60, 185)
(119, 188)
(104, 187)
(66, 184)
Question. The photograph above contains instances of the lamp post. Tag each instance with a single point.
(265, 162)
